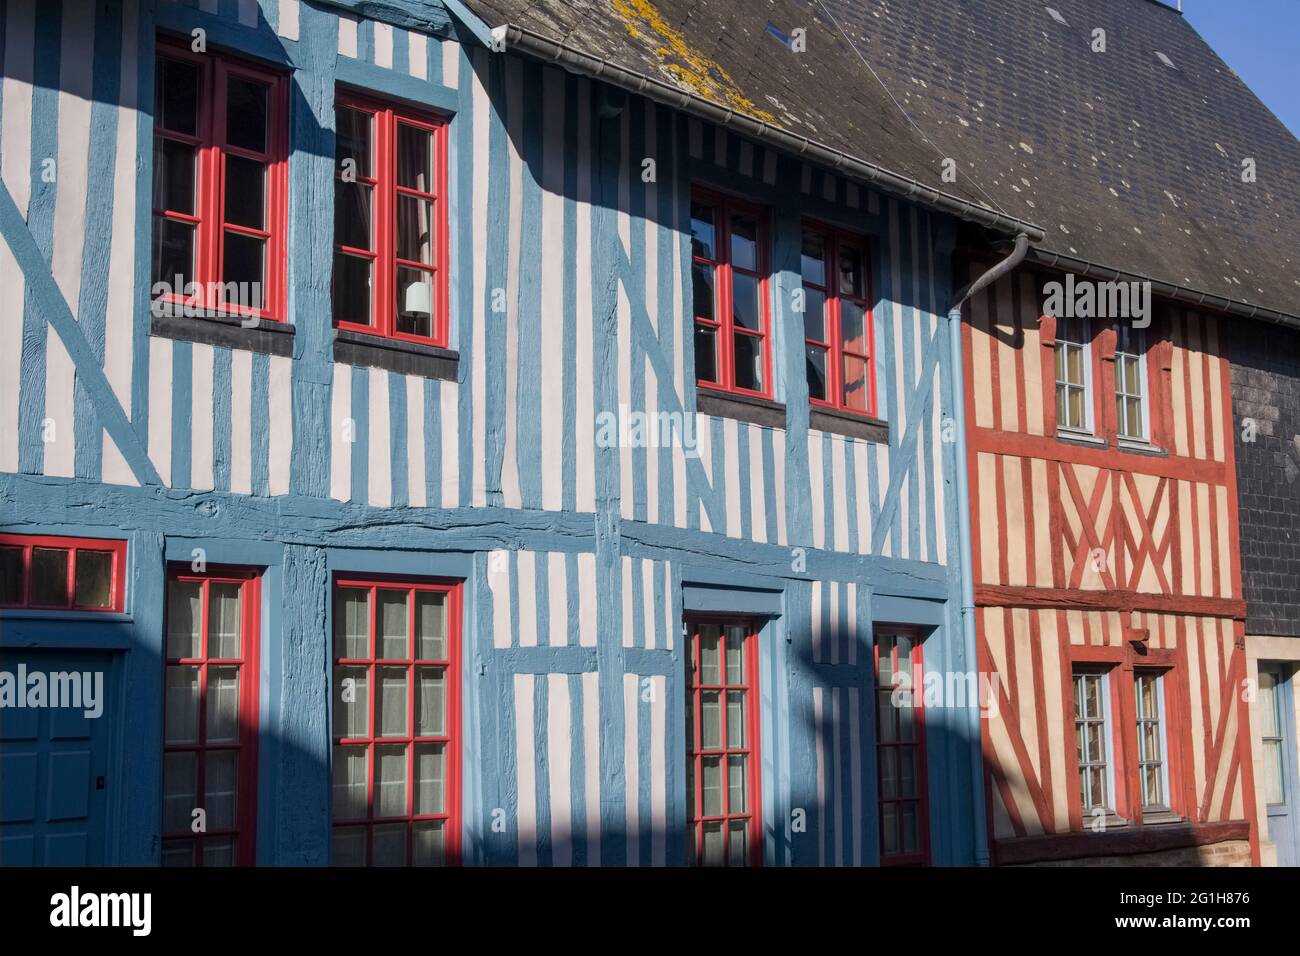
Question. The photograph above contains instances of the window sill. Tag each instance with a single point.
(846, 423)
(1081, 438)
(1141, 448)
(395, 355)
(259, 335)
(756, 411)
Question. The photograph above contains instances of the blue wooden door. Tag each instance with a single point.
(1278, 774)
(55, 765)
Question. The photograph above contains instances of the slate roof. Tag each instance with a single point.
(1125, 161)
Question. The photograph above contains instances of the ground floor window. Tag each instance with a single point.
(210, 719)
(395, 723)
(900, 749)
(722, 733)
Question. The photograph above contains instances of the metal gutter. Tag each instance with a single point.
(576, 61)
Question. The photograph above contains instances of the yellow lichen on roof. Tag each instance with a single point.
(687, 67)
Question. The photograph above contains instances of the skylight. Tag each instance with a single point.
(1056, 15)
(1166, 61)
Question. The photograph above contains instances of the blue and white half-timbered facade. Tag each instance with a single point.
(438, 549)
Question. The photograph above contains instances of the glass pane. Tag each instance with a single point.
(351, 289)
(1273, 793)
(352, 623)
(184, 611)
(430, 778)
(428, 843)
(889, 828)
(352, 215)
(221, 785)
(393, 625)
(173, 254)
(182, 705)
(702, 241)
(710, 720)
(178, 853)
(735, 655)
(388, 847)
(1094, 741)
(749, 362)
(886, 718)
(12, 581)
(348, 846)
(414, 158)
(736, 784)
(907, 772)
(888, 772)
(853, 327)
(173, 176)
(180, 791)
(245, 192)
(1074, 365)
(430, 701)
(219, 851)
(94, 579)
(856, 387)
(176, 96)
(711, 780)
(392, 701)
(351, 702)
(1092, 695)
(223, 705)
(815, 365)
(850, 278)
(736, 718)
(415, 229)
(414, 302)
(908, 843)
(710, 654)
(431, 625)
(744, 242)
(349, 783)
(713, 845)
(246, 109)
(702, 285)
(814, 315)
(50, 577)
(352, 140)
(244, 263)
(390, 781)
(737, 843)
(224, 607)
(745, 307)
(812, 261)
(1268, 704)
(706, 352)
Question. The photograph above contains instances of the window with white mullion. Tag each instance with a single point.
(1073, 377)
(1130, 390)
(1152, 779)
(1091, 732)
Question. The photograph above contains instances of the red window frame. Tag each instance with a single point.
(450, 738)
(244, 830)
(386, 190)
(208, 219)
(696, 752)
(885, 684)
(834, 346)
(722, 324)
(28, 543)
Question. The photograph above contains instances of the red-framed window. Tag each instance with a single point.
(210, 719)
(390, 221)
(837, 320)
(220, 183)
(75, 574)
(396, 723)
(900, 749)
(729, 275)
(722, 735)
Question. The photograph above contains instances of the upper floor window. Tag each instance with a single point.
(837, 320)
(1130, 383)
(1272, 735)
(78, 574)
(900, 750)
(219, 184)
(729, 277)
(1073, 375)
(390, 221)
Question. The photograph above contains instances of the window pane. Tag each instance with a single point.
(352, 623)
(220, 784)
(50, 577)
(414, 158)
(431, 625)
(352, 140)
(414, 302)
(349, 783)
(12, 583)
(907, 771)
(749, 362)
(1268, 704)
(351, 291)
(735, 654)
(428, 843)
(736, 717)
(710, 654)
(736, 784)
(246, 107)
(713, 845)
(889, 828)
(850, 277)
(711, 778)
(393, 625)
(1273, 792)
(430, 701)
(702, 284)
(855, 383)
(744, 242)
(173, 176)
(352, 218)
(184, 611)
(415, 229)
(176, 96)
(706, 354)
(94, 579)
(710, 720)
(388, 845)
(182, 705)
(431, 778)
(180, 791)
(702, 241)
(348, 847)
(815, 365)
(224, 608)
(908, 828)
(219, 851)
(746, 312)
(244, 263)
(173, 254)
(736, 843)
(853, 327)
(178, 853)
(390, 781)
(245, 192)
(351, 702)
(223, 705)
(889, 772)
(812, 261)
(392, 701)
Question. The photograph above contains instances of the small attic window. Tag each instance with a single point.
(1165, 60)
(1056, 15)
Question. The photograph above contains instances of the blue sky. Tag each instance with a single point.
(1260, 40)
